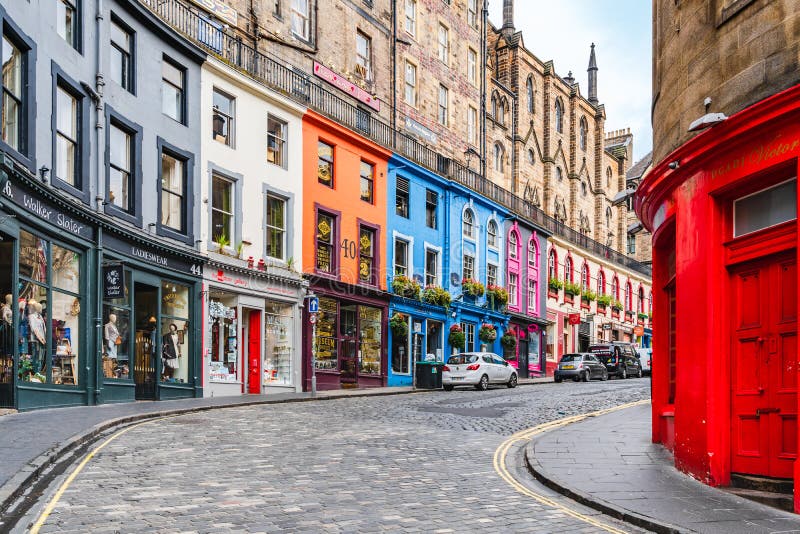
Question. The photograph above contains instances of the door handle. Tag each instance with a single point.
(764, 411)
(773, 344)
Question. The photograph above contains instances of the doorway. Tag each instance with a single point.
(522, 369)
(146, 349)
(6, 324)
(763, 301)
(434, 340)
(253, 356)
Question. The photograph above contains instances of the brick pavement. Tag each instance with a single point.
(410, 463)
(610, 461)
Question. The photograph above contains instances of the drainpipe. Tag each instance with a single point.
(393, 117)
(484, 23)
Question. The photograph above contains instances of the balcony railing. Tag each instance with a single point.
(298, 85)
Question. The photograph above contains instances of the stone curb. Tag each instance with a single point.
(617, 512)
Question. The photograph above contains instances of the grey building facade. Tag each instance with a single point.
(100, 276)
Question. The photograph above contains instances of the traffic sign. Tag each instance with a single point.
(313, 304)
(312, 318)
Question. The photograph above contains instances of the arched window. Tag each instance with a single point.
(529, 89)
(558, 174)
(531, 157)
(601, 283)
(559, 116)
(615, 288)
(628, 297)
(533, 254)
(499, 154)
(583, 133)
(491, 233)
(641, 299)
(608, 217)
(568, 269)
(608, 177)
(584, 189)
(585, 276)
(513, 245)
(552, 264)
(503, 111)
(494, 107)
(468, 228)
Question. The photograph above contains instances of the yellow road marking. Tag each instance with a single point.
(502, 451)
(64, 485)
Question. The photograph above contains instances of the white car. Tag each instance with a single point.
(477, 369)
(645, 357)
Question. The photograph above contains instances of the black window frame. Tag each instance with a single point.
(374, 256)
(335, 217)
(132, 59)
(184, 90)
(26, 152)
(402, 193)
(82, 163)
(431, 209)
(330, 162)
(188, 205)
(134, 215)
(369, 180)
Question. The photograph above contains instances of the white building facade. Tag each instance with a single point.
(251, 192)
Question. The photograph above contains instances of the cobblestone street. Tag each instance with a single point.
(412, 463)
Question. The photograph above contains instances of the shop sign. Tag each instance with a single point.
(574, 318)
(113, 281)
(46, 211)
(219, 10)
(420, 131)
(606, 326)
(638, 330)
(252, 283)
(345, 85)
(151, 257)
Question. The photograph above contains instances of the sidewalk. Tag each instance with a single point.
(32, 441)
(610, 464)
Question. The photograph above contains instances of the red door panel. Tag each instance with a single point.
(254, 353)
(764, 367)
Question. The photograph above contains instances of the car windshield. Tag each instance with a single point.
(571, 358)
(462, 358)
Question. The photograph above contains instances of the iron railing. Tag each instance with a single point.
(296, 84)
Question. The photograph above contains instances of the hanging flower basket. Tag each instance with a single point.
(405, 287)
(399, 325)
(472, 287)
(456, 337)
(508, 340)
(497, 294)
(436, 295)
(487, 333)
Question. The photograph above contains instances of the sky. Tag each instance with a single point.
(563, 30)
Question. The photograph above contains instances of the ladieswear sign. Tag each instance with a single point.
(152, 257)
(46, 211)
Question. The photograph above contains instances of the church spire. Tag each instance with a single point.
(592, 70)
(508, 19)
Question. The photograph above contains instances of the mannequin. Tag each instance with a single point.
(110, 335)
(171, 351)
(6, 325)
(38, 335)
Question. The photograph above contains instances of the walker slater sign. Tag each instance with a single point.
(47, 212)
(151, 257)
(113, 281)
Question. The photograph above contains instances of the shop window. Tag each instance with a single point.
(491, 274)
(431, 204)
(401, 362)
(175, 347)
(224, 340)
(223, 113)
(367, 267)
(222, 210)
(327, 354)
(278, 346)
(402, 197)
(173, 97)
(469, 336)
(50, 312)
(122, 55)
(326, 259)
(431, 267)
(276, 227)
(117, 333)
(764, 209)
(370, 340)
(325, 164)
(367, 173)
(276, 142)
(400, 257)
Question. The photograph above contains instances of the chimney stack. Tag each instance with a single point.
(592, 70)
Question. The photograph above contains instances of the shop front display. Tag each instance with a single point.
(223, 366)
(278, 343)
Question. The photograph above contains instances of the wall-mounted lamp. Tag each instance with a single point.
(43, 172)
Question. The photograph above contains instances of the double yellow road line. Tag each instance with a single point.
(525, 435)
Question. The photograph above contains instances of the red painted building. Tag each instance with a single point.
(723, 211)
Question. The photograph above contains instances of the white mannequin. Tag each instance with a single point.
(110, 334)
(7, 314)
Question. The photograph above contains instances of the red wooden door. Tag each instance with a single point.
(764, 367)
(254, 352)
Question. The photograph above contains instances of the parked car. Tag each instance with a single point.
(580, 366)
(477, 369)
(645, 359)
(619, 357)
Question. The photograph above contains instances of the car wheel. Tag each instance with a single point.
(557, 379)
(639, 374)
(623, 374)
(512, 382)
(447, 388)
(483, 385)
(604, 376)
(587, 376)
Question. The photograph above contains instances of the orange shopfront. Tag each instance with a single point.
(723, 212)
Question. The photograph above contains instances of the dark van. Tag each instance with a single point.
(619, 357)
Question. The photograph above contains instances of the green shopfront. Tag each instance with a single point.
(63, 340)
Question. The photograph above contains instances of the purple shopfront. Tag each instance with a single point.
(527, 357)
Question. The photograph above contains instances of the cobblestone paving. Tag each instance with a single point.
(408, 463)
